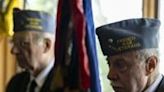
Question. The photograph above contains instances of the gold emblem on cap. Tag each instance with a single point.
(128, 43)
(34, 23)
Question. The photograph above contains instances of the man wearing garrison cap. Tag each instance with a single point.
(131, 47)
(33, 45)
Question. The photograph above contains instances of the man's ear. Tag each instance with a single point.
(151, 64)
(47, 45)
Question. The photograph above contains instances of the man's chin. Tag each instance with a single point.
(118, 89)
(22, 65)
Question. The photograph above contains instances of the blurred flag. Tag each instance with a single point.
(6, 13)
(76, 64)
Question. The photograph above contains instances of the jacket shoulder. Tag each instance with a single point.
(17, 81)
(161, 86)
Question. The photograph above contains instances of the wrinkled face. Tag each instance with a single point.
(28, 52)
(127, 73)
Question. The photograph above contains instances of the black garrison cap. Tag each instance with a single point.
(128, 35)
(30, 20)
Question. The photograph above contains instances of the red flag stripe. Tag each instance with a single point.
(80, 27)
(57, 43)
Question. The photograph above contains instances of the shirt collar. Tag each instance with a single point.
(154, 86)
(40, 79)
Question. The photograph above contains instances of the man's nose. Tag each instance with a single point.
(112, 75)
(14, 50)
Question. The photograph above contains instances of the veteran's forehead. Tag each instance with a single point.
(23, 35)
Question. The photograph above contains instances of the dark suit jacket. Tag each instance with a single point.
(160, 86)
(20, 81)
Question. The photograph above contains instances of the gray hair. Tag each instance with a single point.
(39, 36)
(146, 53)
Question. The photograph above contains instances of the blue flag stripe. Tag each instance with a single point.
(91, 46)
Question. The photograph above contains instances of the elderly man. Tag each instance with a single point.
(131, 47)
(33, 45)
